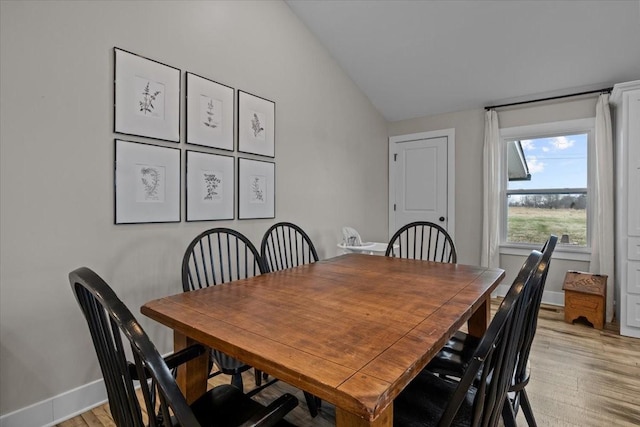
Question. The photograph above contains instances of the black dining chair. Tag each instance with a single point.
(286, 245)
(422, 240)
(479, 397)
(109, 320)
(455, 356)
(217, 256)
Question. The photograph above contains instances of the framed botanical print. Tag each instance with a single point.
(147, 97)
(147, 183)
(256, 125)
(256, 189)
(209, 113)
(210, 189)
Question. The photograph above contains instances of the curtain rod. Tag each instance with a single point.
(605, 90)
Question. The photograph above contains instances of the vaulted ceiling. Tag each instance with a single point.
(418, 58)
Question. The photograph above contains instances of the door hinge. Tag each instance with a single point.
(394, 207)
(395, 157)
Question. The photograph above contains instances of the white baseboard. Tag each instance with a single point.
(548, 297)
(59, 408)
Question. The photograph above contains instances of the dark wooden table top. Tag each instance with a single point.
(353, 330)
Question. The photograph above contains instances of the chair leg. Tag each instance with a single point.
(236, 380)
(312, 404)
(508, 415)
(257, 375)
(526, 409)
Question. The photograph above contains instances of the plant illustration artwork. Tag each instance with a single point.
(150, 98)
(210, 113)
(212, 186)
(151, 183)
(146, 97)
(257, 125)
(146, 105)
(257, 189)
(146, 183)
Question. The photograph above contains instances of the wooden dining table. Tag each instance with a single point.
(352, 330)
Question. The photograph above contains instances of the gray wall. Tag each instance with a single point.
(469, 131)
(56, 155)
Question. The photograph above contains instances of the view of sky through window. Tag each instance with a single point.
(555, 162)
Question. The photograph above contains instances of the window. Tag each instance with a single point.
(547, 184)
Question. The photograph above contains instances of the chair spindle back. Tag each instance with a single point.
(108, 320)
(533, 308)
(423, 240)
(493, 363)
(217, 256)
(285, 245)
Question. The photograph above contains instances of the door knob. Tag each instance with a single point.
(441, 218)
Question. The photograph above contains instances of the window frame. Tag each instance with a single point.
(545, 130)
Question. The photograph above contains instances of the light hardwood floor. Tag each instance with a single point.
(580, 377)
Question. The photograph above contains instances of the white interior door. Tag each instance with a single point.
(420, 175)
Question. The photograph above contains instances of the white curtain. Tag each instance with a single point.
(492, 181)
(602, 232)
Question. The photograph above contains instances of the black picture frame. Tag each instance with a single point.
(210, 110)
(146, 97)
(147, 183)
(256, 125)
(210, 186)
(256, 189)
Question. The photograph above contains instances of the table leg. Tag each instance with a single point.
(347, 419)
(192, 376)
(479, 320)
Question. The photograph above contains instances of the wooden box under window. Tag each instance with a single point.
(585, 295)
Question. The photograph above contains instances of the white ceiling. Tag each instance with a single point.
(418, 58)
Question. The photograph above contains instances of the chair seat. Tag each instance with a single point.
(454, 357)
(423, 401)
(225, 405)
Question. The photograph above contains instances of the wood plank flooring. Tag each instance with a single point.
(580, 377)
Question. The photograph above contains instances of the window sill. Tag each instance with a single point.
(563, 252)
